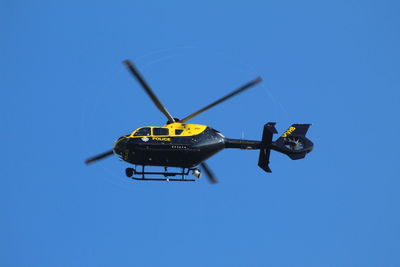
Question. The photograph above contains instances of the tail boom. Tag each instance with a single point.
(293, 143)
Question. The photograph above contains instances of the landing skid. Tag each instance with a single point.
(142, 175)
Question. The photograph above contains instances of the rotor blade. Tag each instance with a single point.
(210, 175)
(98, 157)
(148, 90)
(238, 91)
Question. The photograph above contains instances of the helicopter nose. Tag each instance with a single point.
(119, 145)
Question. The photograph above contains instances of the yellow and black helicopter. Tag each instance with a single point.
(186, 146)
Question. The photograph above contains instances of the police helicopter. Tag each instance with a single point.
(186, 146)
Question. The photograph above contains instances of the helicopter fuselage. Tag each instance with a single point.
(193, 145)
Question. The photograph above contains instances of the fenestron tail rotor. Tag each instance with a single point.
(98, 157)
(148, 90)
(219, 101)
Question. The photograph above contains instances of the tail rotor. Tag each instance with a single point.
(293, 142)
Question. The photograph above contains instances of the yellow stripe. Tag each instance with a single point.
(188, 130)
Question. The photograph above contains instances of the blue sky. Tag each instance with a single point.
(66, 96)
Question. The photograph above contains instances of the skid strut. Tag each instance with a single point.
(141, 175)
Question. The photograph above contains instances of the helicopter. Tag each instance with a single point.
(185, 146)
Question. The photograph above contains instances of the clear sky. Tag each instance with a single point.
(66, 96)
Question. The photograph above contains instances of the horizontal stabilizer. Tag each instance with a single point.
(265, 147)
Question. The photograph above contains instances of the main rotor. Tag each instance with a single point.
(162, 108)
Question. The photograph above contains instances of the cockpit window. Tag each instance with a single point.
(160, 131)
(143, 132)
(178, 132)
